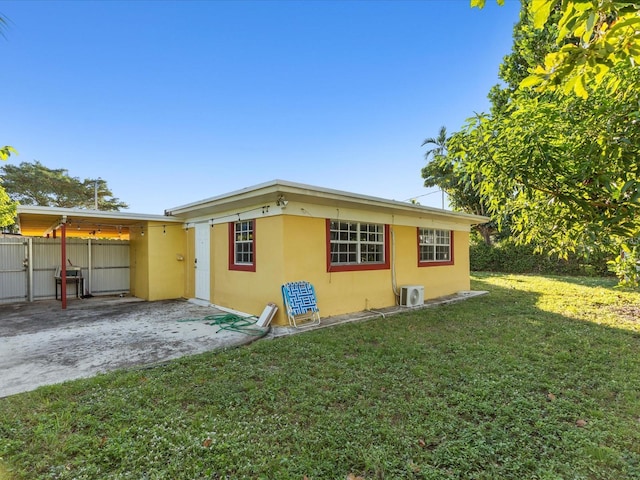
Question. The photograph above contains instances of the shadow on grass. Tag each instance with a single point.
(603, 282)
(502, 386)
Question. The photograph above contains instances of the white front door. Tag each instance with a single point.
(202, 263)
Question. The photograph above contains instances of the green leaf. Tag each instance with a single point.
(531, 81)
(6, 151)
(540, 10)
(477, 3)
(624, 23)
(613, 84)
(580, 87)
(591, 21)
(600, 71)
(582, 6)
(569, 85)
(626, 186)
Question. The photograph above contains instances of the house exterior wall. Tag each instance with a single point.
(351, 291)
(157, 260)
(291, 247)
(337, 292)
(437, 280)
(244, 290)
(139, 263)
(166, 261)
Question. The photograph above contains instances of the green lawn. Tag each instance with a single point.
(538, 380)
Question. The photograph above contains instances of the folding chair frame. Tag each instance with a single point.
(301, 304)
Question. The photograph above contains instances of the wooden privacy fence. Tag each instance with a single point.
(28, 265)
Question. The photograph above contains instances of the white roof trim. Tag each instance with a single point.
(283, 186)
(83, 212)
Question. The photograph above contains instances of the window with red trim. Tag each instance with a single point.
(242, 245)
(435, 247)
(357, 246)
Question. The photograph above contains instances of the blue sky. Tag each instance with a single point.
(173, 102)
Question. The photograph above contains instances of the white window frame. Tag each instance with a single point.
(435, 240)
(358, 238)
(243, 236)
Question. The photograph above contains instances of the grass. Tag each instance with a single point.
(538, 380)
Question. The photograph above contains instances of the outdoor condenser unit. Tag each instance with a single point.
(411, 295)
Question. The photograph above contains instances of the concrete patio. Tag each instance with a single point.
(41, 344)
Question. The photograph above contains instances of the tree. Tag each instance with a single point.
(440, 143)
(530, 47)
(6, 151)
(35, 184)
(601, 35)
(448, 173)
(565, 171)
(561, 160)
(7, 206)
(7, 209)
(594, 36)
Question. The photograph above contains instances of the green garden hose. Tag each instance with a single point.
(231, 322)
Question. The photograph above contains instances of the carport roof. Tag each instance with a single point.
(37, 221)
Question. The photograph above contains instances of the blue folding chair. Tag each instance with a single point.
(301, 304)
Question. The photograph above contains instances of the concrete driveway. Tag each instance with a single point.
(41, 344)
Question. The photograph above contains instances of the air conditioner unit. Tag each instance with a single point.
(411, 295)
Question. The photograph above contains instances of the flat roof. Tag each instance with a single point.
(39, 221)
(270, 191)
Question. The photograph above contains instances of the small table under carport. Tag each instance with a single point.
(74, 274)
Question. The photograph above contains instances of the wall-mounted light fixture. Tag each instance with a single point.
(282, 202)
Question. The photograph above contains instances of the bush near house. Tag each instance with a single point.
(507, 257)
(538, 379)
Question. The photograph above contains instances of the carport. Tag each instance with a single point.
(95, 225)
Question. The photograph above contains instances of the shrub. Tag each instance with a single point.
(507, 257)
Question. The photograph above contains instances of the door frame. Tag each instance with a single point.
(202, 261)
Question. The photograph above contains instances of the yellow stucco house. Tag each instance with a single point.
(237, 249)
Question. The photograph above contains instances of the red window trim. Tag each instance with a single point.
(232, 249)
(435, 263)
(355, 268)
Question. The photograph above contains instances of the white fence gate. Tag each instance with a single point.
(27, 267)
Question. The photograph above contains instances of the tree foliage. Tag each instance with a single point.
(7, 209)
(439, 144)
(6, 151)
(7, 206)
(35, 184)
(601, 35)
(592, 36)
(448, 173)
(559, 153)
(565, 170)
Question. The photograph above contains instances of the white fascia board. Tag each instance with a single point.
(226, 198)
(268, 192)
(81, 212)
